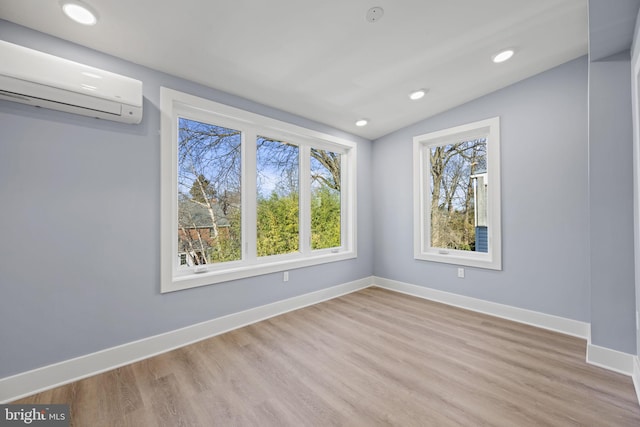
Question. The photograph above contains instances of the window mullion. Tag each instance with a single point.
(249, 195)
(305, 199)
(345, 201)
(425, 193)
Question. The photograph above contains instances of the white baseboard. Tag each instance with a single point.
(546, 321)
(636, 376)
(612, 360)
(47, 377)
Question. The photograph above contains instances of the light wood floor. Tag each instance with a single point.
(370, 358)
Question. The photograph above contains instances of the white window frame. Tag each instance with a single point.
(175, 105)
(489, 128)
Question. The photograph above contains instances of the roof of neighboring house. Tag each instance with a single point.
(192, 214)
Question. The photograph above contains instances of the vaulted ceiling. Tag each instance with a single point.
(324, 60)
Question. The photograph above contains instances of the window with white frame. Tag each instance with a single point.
(243, 194)
(457, 195)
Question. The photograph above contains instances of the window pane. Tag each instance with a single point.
(278, 197)
(325, 199)
(209, 185)
(458, 195)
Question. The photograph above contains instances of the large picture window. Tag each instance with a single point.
(457, 195)
(243, 194)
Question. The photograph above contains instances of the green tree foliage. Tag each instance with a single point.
(278, 224)
(325, 218)
(452, 230)
(201, 190)
(228, 242)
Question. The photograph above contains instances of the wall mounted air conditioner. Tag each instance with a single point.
(37, 78)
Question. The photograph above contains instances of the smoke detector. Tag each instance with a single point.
(375, 14)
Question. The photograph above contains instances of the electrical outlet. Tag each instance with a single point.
(285, 276)
(461, 273)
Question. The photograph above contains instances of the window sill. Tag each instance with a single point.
(266, 266)
(462, 258)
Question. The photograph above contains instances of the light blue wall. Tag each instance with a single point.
(80, 215)
(79, 220)
(544, 198)
(611, 204)
(611, 26)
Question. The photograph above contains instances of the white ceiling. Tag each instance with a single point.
(322, 60)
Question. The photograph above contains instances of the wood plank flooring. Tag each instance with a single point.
(371, 358)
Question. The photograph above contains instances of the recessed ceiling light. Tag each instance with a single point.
(417, 94)
(503, 56)
(362, 122)
(79, 12)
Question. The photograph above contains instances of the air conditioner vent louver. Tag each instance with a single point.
(13, 95)
(67, 86)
